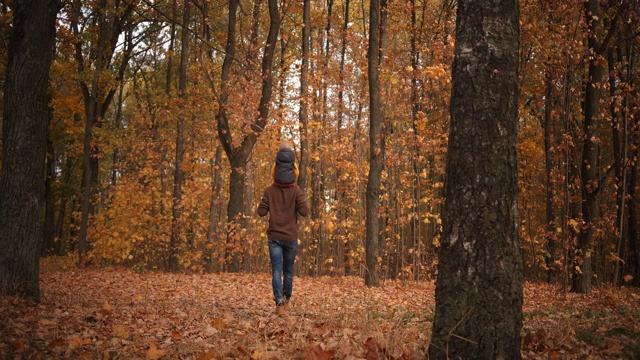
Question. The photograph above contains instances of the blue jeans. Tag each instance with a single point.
(282, 254)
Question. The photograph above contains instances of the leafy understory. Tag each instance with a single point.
(121, 314)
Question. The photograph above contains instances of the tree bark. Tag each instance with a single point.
(238, 154)
(26, 113)
(583, 271)
(178, 176)
(48, 232)
(415, 108)
(304, 96)
(479, 285)
(634, 238)
(550, 214)
(212, 231)
(97, 99)
(376, 118)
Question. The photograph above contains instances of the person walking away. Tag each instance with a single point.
(283, 201)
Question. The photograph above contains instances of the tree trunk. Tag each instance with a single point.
(239, 154)
(376, 117)
(49, 208)
(479, 285)
(550, 214)
(341, 259)
(583, 269)
(415, 108)
(634, 239)
(212, 231)
(178, 176)
(96, 98)
(304, 96)
(26, 113)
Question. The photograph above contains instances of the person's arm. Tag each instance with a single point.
(301, 202)
(263, 208)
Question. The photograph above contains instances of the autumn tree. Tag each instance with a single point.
(25, 119)
(376, 118)
(304, 95)
(238, 146)
(479, 284)
(589, 171)
(97, 79)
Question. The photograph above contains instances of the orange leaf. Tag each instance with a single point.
(319, 331)
(77, 341)
(219, 323)
(315, 352)
(176, 335)
(106, 308)
(58, 342)
(120, 332)
(374, 352)
(208, 355)
(153, 353)
(46, 322)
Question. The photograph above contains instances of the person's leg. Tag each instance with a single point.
(275, 253)
(289, 257)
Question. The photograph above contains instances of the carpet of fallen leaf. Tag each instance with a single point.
(121, 314)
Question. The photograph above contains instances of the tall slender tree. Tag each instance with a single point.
(25, 115)
(179, 176)
(589, 171)
(376, 119)
(94, 60)
(479, 284)
(304, 94)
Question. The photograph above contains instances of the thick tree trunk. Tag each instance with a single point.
(24, 132)
(178, 176)
(583, 269)
(479, 284)
(235, 213)
(376, 118)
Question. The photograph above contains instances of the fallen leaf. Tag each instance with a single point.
(208, 355)
(58, 342)
(46, 322)
(210, 331)
(153, 353)
(120, 332)
(319, 331)
(176, 335)
(139, 297)
(315, 352)
(614, 349)
(228, 315)
(77, 341)
(374, 352)
(106, 308)
(219, 323)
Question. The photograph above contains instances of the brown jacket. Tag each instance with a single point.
(283, 203)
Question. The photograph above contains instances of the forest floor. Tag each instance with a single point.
(121, 314)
